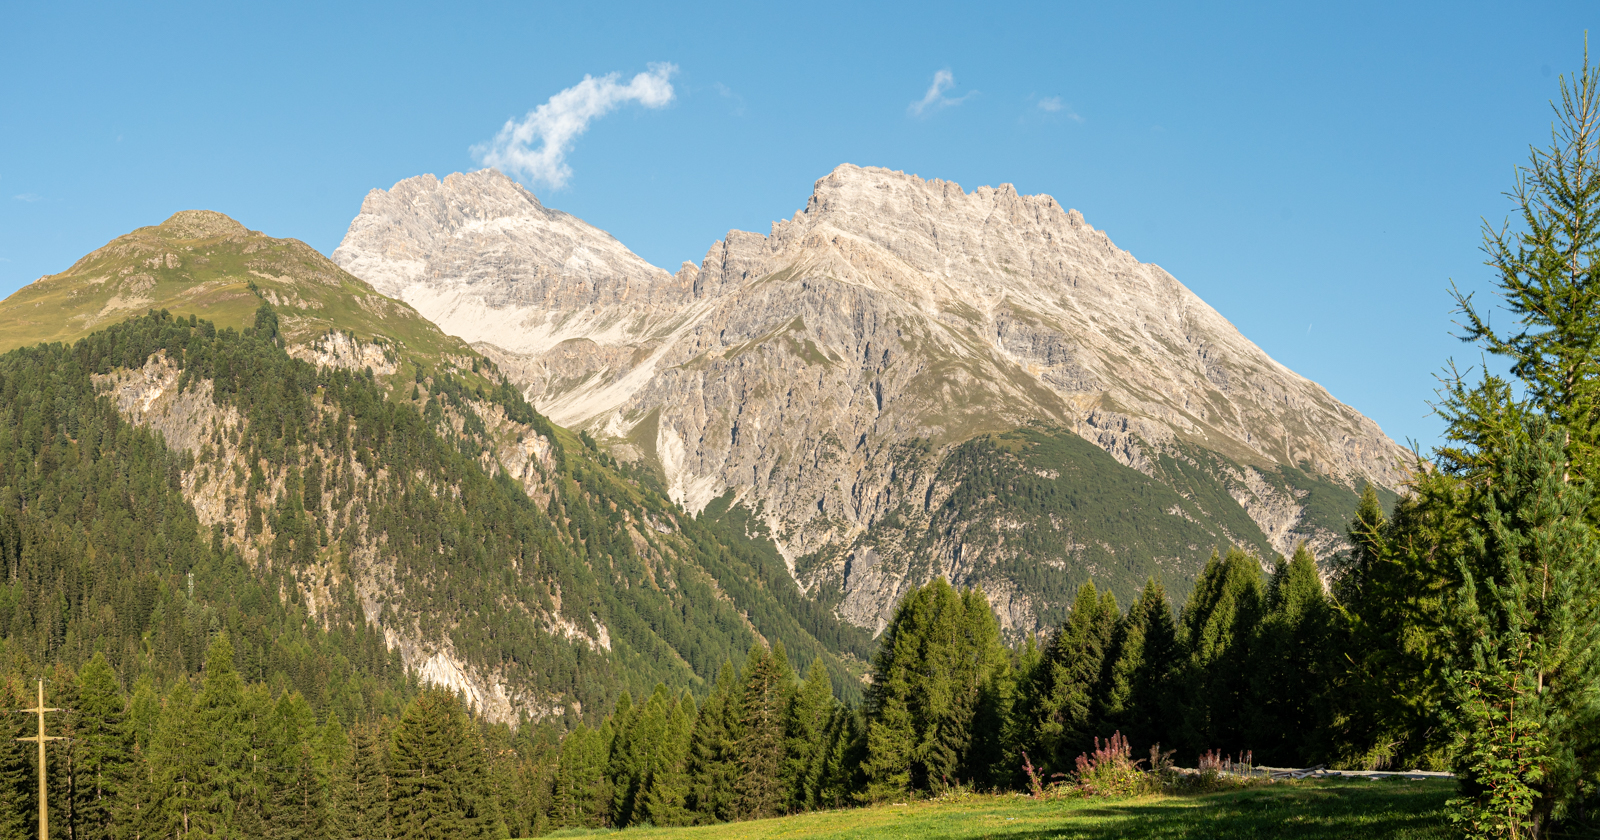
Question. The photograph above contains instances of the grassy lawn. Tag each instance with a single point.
(1369, 810)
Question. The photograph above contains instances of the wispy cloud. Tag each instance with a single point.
(557, 123)
(935, 99)
(727, 93)
(1054, 105)
(29, 197)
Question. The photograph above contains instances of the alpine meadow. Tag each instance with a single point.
(929, 512)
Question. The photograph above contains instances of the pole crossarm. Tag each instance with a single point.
(42, 739)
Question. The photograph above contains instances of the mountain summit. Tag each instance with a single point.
(903, 380)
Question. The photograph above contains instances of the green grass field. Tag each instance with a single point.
(1368, 810)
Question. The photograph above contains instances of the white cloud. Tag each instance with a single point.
(1054, 105)
(558, 122)
(935, 98)
(29, 197)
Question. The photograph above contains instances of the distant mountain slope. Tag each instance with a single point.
(823, 376)
(375, 476)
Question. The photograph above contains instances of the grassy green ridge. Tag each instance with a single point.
(205, 264)
(1323, 810)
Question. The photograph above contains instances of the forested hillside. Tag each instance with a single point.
(335, 529)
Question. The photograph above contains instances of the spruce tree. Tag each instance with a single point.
(938, 659)
(1526, 675)
(1389, 619)
(989, 695)
(173, 801)
(712, 762)
(666, 798)
(1220, 622)
(18, 791)
(636, 755)
(228, 786)
(359, 806)
(1063, 723)
(291, 793)
(805, 728)
(583, 791)
(759, 750)
(103, 750)
(439, 785)
(1293, 661)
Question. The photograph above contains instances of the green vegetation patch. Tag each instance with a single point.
(1323, 810)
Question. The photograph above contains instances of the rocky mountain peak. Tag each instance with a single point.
(201, 224)
(797, 372)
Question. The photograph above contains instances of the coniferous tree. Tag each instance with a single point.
(624, 763)
(172, 797)
(759, 750)
(666, 799)
(291, 792)
(636, 755)
(1392, 591)
(936, 659)
(1220, 622)
(18, 791)
(439, 785)
(1062, 723)
(359, 806)
(805, 729)
(224, 729)
(988, 695)
(583, 793)
(103, 747)
(1527, 671)
(1148, 669)
(713, 762)
(1292, 666)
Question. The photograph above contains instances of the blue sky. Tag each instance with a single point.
(1317, 172)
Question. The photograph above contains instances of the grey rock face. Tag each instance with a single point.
(793, 370)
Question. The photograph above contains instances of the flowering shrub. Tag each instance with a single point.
(1111, 770)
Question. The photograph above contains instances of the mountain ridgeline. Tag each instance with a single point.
(904, 380)
(211, 431)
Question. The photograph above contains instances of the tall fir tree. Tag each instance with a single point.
(1294, 660)
(1150, 662)
(359, 800)
(1062, 720)
(103, 747)
(226, 796)
(1391, 594)
(18, 785)
(439, 784)
(713, 762)
(768, 683)
(666, 799)
(939, 657)
(1526, 675)
(1220, 622)
(805, 731)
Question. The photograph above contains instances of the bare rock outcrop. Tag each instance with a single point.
(793, 369)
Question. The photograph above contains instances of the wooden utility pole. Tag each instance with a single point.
(44, 808)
